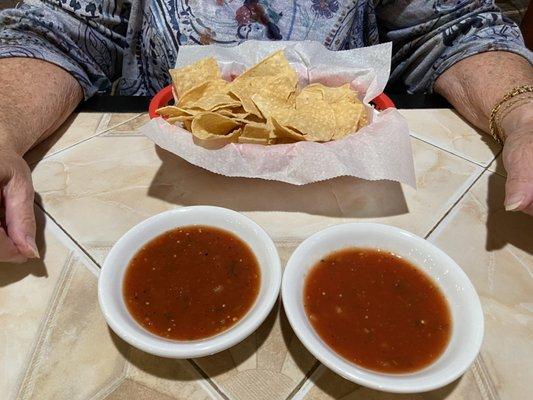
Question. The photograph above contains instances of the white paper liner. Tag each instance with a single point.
(381, 150)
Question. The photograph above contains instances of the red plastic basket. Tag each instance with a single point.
(164, 96)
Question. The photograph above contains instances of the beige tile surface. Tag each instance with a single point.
(269, 364)
(326, 385)
(127, 128)
(25, 292)
(495, 248)
(56, 345)
(117, 181)
(165, 377)
(112, 120)
(446, 129)
(75, 356)
(129, 389)
(77, 128)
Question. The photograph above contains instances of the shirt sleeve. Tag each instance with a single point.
(430, 36)
(85, 38)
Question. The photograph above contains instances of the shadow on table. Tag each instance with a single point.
(503, 227)
(11, 273)
(337, 387)
(39, 151)
(225, 361)
(160, 367)
(299, 354)
(179, 182)
(211, 366)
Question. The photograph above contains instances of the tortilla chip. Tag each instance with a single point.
(272, 77)
(333, 94)
(228, 112)
(274, 64)
(314, 119)
(285, 134)
(173, 111)
(212, 130)
(261, 106)
(363, 121)
(257, 131)
(210, 125)
(347, 117)
(218, 142)
(193, 75)
(272, 105)
(185, 120)
(215, 101)
(203, 90)
(252, 140)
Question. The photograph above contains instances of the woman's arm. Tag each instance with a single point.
(24, 83)
(51, 56)
(474, 85)
(469, 52)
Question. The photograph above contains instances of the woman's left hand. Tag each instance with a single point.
(518, 159)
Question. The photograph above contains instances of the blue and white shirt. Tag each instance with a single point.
(129, 45)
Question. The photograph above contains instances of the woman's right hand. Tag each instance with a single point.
(518, 159)
(17, 228)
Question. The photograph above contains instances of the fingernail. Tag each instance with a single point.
(514, 201)
(31, 244)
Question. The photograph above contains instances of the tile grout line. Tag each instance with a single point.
(426, 236)
(98, 133)
(305, 379)
(68, 235)
(463, 157)
(120, 124)
(485, 169)
(309, 384)
(85, 253)
(27, 383)
(206, 377)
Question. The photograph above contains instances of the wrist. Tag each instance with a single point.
(520, 119)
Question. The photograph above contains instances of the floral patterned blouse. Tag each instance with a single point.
(128, 45)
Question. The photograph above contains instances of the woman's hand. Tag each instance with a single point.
(518, 159)
(17, 230)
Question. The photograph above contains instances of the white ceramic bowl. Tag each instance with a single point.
(467, 316)
(112, 274)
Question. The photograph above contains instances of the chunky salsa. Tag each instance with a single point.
(377, 310)
(191, 283)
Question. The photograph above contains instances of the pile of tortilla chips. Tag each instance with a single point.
(263, 105)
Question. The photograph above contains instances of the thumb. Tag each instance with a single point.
(518, 161)
(518, 193)
(20, 216)
(8, 251)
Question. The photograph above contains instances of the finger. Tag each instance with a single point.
(518, 191)
(8, 250)
(518, 161)
(20, 216)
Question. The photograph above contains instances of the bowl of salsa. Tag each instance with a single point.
(382, 307)
(190, 282)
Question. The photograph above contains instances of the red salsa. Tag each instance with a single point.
(191, 283)
(377, 310)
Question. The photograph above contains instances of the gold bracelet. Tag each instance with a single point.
(508, 107)
(496, 130)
